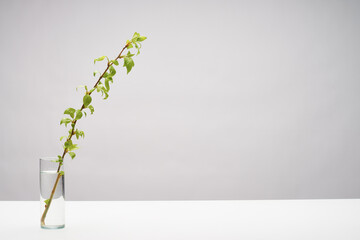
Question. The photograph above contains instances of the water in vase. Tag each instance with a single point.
(55, 217)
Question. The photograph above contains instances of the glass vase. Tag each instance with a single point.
(52, 194)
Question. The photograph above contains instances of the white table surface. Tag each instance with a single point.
(172, 220)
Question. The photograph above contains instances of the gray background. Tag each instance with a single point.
(228, 99)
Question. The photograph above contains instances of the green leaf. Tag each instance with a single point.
(91, 109)
(79, 114)
(87, 100)
(72, 154)
(70, 146)
(105, 74)
(62, 138)
(129, 54)
(112, 71)
(101, 88)
(106, 95)
(73, 147)
(98, 87)
(141, 38)
(66, 121)
(77, 134)
(60, 159)
(130, 46)
(81, 134)
(107, 84)
(70, 111)
(62, 172)
(135, 37)
(138, 48)
(68, 143)
(115, 62)
(128, 63)
(99, 59)
(95, 72)
(85, 114)
(47, 201)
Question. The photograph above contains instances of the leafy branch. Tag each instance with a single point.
(102, 86)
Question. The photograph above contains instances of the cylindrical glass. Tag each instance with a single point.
(52, 194)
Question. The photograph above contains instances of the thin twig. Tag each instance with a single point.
(47, 206)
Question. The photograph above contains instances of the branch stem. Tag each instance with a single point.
(47, 206)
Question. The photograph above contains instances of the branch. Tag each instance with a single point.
(69, 138)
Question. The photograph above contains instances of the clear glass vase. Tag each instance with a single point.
(52, 194)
